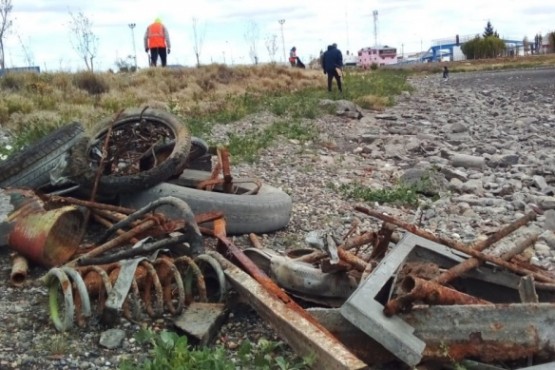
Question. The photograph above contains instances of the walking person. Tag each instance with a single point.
(293, 56)
(332, 62)
(445, 73)
(157, 40)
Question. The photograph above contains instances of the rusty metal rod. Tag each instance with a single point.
(89, 204)
(544, 277)
(117, 241)
(358, 263)
(359, 240)
(106, 223)
(474, 262)
(255, 241)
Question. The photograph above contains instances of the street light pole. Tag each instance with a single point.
(132, 27)
(281, 22)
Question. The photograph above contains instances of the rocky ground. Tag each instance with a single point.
(483, 137)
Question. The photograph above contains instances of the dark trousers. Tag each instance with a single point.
(331, 75)
(154, 53)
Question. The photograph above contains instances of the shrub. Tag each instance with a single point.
(91, 83)
(373, 66)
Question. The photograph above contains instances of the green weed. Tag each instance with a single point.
(171, 351)
(398, 195)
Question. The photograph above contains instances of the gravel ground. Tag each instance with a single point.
(28, 339)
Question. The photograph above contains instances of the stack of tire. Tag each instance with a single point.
(65, 157)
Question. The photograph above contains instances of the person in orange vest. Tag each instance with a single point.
(157, 40)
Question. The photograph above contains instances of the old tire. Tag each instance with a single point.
(31, 167)
(82, 170)
(267, 211)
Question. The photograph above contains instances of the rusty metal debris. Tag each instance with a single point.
(159, 284)
(412, 298)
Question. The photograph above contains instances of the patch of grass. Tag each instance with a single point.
(171, 351)
(399, 195)
(381, 83)
(373, 102)
(26, 135)
(57, 345)
(246, 147)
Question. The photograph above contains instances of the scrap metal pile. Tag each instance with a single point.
(398, 294)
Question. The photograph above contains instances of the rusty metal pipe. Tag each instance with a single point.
(20, 268)
(359, 240)
(428, 292)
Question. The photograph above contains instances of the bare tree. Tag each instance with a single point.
(84, 41)
(27, 53)
(271, 46)
(5, 24)
(252, 35)
(198, 39)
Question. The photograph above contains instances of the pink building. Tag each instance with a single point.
(381, 55)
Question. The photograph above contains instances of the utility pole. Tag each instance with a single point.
(132, 27)
(375, 14)
(281, 22)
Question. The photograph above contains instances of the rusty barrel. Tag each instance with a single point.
(47, 237)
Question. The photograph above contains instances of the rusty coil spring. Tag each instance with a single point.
(164, 284)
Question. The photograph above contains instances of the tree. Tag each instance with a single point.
(5, 25)
(489, 31)
(198, 39)
(551, 40)
(252, 35)
(538, 40)
(526, 45)
(487, 47)
(271, 46)
(84, 41)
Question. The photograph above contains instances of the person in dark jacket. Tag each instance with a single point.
(332, 62)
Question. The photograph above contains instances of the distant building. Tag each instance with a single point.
(350, 59)
(34, 69)
(379, 55)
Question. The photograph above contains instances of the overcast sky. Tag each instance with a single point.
(42, 34)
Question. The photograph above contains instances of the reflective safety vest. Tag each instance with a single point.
(155, 34)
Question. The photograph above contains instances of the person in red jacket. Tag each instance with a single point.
(157, 40)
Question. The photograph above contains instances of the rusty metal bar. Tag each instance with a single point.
(358, 263)
(382, 242)
(255, 241)
(543, 277)
(488, 333)
(223, 157)
(428, 292)
(117, 241)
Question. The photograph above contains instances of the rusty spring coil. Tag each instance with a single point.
(170, 279)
